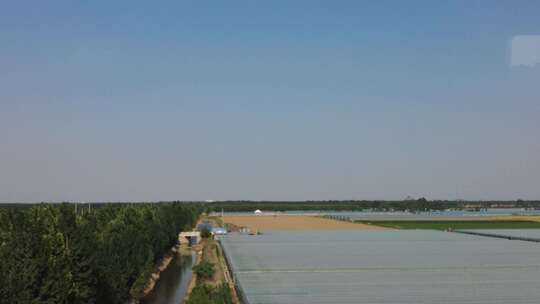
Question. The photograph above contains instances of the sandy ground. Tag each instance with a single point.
(294, 222)
(534, 218)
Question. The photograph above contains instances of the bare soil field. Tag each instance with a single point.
(294, 222)
(534, 218)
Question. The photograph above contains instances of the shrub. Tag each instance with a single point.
(204, 270)
(205, 294)
(201, 294)
(206, 233)
(222, 295)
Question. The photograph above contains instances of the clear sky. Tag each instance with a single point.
(155, 100)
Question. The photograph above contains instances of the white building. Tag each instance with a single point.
(189, 238)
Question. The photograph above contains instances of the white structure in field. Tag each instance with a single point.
(219, 231)
(189, 238)
(258, 211)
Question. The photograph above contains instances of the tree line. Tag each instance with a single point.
(63, 253)
(413, 205)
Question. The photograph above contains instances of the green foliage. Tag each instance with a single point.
(205, 294)
(206, 233)
(55, 254)
(444, 225)
(218, 253)
(201, 294)
(204, 270)
(223, 295)
(137, 289)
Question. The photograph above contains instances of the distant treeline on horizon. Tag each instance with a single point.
(420, 204)
(413, 205)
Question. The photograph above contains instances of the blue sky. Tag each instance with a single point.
(135, 100)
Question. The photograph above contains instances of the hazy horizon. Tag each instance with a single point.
(308, 100)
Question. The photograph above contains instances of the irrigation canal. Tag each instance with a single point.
(172, 286)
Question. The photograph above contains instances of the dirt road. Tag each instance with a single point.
(294, 222)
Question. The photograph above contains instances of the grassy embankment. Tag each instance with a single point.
(212, 282)
(455, 225)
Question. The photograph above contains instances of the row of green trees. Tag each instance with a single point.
(413, 205)
(63, 254)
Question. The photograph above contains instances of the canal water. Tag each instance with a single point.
(173, 283)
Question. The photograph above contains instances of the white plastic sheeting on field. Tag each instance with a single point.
(390, 267)
(522, 233)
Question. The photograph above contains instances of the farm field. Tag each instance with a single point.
(532, 218)
(383, 267)
(455, 224)
(463, 215)
(294, 222)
